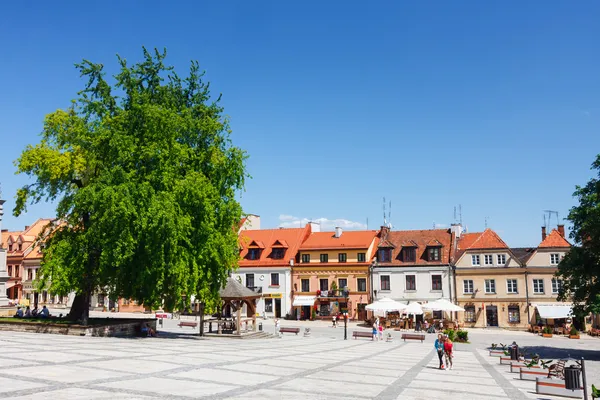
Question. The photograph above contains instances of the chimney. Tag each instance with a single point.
(384, 232)
(315, 226)
(338, 231)
(543, 233)
(457, 229)
(561, 230)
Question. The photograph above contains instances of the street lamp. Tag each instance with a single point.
(346, 314)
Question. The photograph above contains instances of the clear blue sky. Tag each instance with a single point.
(492, 105)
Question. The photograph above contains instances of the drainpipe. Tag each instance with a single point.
(527, 296)
(453, 278)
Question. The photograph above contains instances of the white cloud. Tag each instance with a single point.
(289, 221)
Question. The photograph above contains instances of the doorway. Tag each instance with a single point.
(306, 311)
(491, 313)
(277, 308)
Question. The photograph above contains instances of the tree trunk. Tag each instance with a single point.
(80, 309)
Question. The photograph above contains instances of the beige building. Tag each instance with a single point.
(490, 282)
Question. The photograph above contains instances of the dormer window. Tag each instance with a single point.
(10, 247)
(278, 254)
(434, 253)
(384, 255)
(409, 254)
(253, 254)
(20, 247)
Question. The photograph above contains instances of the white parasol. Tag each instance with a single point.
(442, 305)
(413, 308)
(385, 305)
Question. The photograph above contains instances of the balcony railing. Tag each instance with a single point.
(331, 293)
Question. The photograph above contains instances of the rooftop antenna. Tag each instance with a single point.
(384, 220)
(486, 222)
(454, 213)
(367, 223)
(460, 214)
(433, 224)
(390, 215)
(550, 214)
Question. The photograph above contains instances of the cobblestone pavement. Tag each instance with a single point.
(323, 366)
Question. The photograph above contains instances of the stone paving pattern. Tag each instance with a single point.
(37, 366)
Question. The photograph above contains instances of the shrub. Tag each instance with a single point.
(314, 314)
(547, 330)
(574, 331)
(451, 333)
(463, 336)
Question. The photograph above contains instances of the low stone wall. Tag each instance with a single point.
(126, 328)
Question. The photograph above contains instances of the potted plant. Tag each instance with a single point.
(547, 332)
(574, 333)
(333, 289)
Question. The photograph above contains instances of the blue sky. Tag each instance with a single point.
(491, 105)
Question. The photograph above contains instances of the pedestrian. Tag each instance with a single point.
(277, 333)
(439, 346)
(380, 329)
(448, 354)
(374, 330)
(28, 312)
(334, 321)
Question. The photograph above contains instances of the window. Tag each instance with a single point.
(411, 282)
(268, 305)
(385, 282)
(324, 284)
(556, 285)
(409, 254)
(125, 302)
(324, 258)
(468, 286)
(17, 271)
(470, 315)
(436, 282)
(20, 246)
(501, 259)
(10, 248)
(554, 258)
(361, 283)
(305, 285)
(275, 279)
(10, 270)
(342, 283)
(305, 258)
(253, 254)
(433, 254)
(538, 286)
(511, 286)
(514, 315)
(30, 275)
(475, 260)
(488, 259)
(385, 255)
(277, 254)
(361, 257)
(342, 257)
(490, 286)
(249, 280)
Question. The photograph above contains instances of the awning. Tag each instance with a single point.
(304, 301)
(554, 311)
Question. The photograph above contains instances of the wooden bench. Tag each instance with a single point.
(357, 334)
(187, 323)
(413, 336)
(557, 370)
(289, 330)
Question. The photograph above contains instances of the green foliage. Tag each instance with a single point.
(451, 333)
(146, 180)
(573, 331)
(595, 392)
(462, 336)
(546, 364)
(314, 314)
(333, 286)
(535, 360)
(579, 268)
(494, 346)
(547, 330)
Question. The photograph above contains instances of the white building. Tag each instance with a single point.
(3, 271)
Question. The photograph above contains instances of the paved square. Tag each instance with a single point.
(322, 366)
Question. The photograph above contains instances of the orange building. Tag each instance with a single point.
(329, 262)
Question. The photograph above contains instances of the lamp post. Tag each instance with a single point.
(346, 314)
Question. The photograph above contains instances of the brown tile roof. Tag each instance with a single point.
(554, 239)
(523, 254)
(420, 239)
(348, 240)
(485, 240)
(288, 239)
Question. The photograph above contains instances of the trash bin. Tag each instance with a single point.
(572, 377)
(260, 326)
(514, 352)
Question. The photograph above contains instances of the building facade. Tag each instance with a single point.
(328, 263)
(266, 260)
(414, 265)
(3, 269)
(490, 282)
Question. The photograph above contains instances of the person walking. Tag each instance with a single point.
(334, 321)
(380, 329)
(374, 331)
(448, 355)
(439, 346)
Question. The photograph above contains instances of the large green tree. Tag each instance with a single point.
(145, 178)
(580, 268)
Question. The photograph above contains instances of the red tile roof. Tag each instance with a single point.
(485, 240)
(269, 239)
(348, 240)
(421, 239)
(554, 239)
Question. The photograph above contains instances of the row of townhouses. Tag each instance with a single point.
(301, 272)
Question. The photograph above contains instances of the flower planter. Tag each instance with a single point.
(546, 335)
(496, 353)
(532, 373)
(573, 336)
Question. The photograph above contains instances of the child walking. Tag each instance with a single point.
(439, 346)
(448, 347)
(380, 332)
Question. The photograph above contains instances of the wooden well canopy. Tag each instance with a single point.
(236, 294)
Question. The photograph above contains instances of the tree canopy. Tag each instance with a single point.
(580, 268)
(145, 177)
